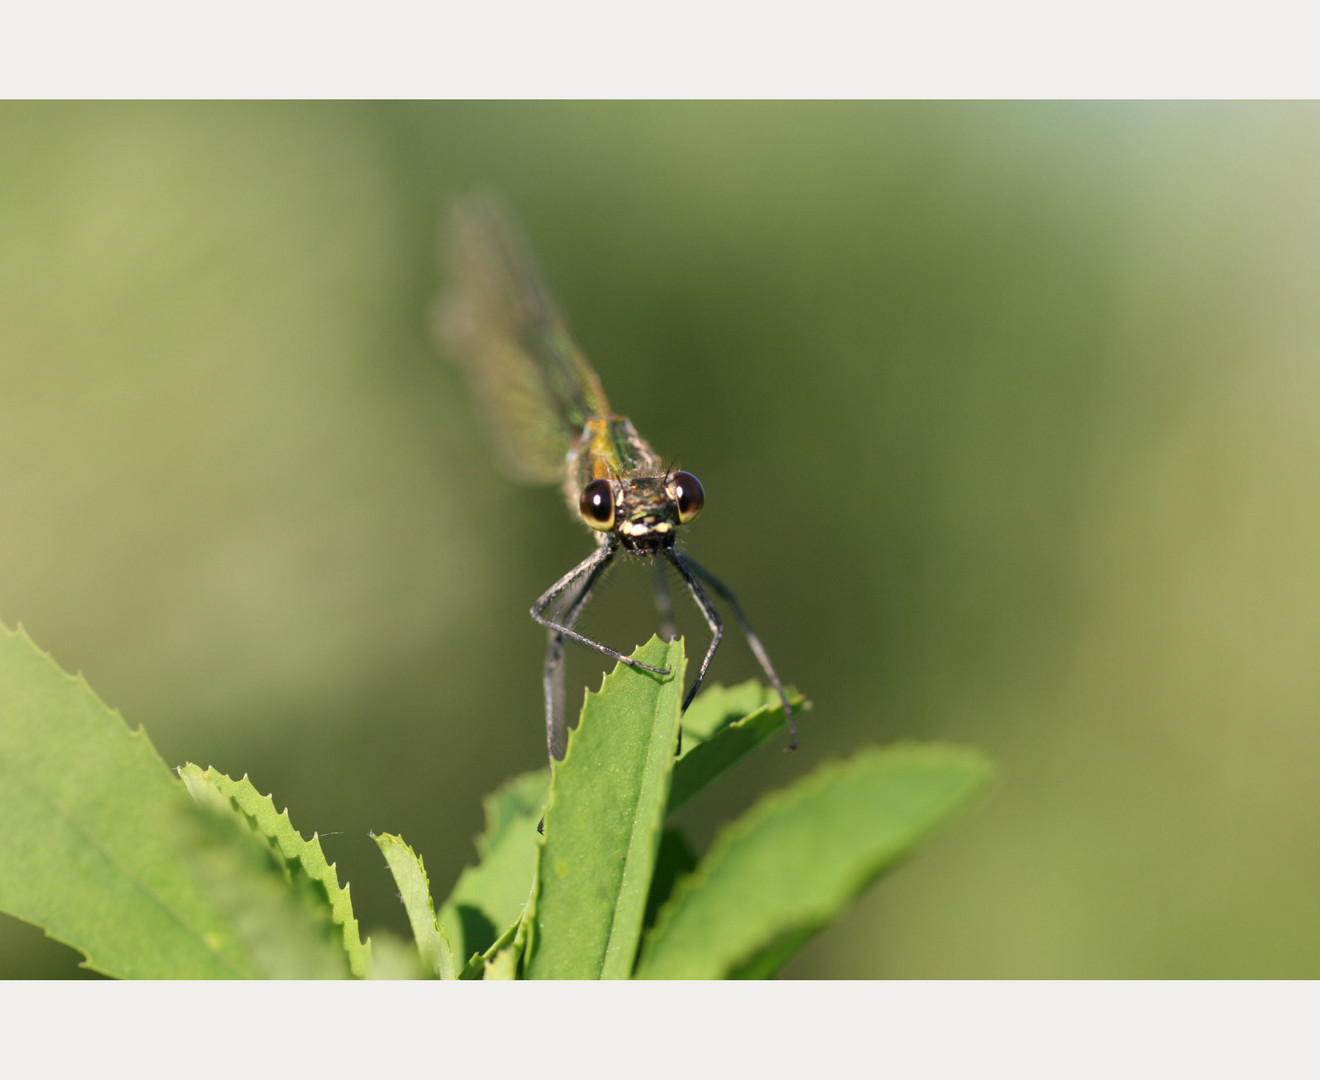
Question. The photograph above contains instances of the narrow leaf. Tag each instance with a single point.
(302, 858)
(787, 867)
(415, 892)
(729, 724)
(93, 818)
(282, 918)
(603, 822)
(718, 706)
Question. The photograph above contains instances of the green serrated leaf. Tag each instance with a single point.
(303, 859)
(415, 892)
(603, 822)
(729, 724)
(717, 706)
(788, 866)
(282, 919)
(93, 819)
(488, 899)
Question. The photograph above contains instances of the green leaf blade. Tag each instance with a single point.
(304, 862)
(90, 849)
(791, 863)
(718, 706)
(723, 726)
(415, 892)
(280, 917)
(607, 806)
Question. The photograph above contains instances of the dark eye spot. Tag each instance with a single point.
(688, 495)
(597, 505)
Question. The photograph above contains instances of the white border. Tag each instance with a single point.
(685, 48)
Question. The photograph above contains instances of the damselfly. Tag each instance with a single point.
(554, 424)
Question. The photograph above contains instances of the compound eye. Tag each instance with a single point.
(688, 495)
(597, 505)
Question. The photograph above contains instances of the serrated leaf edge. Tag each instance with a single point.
(138, 734)
(293, 848)
(443, 964)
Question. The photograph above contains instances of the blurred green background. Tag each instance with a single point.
(1008, 417)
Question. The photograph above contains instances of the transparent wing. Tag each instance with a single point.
(500, 322)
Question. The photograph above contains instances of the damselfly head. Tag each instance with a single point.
(643, 511)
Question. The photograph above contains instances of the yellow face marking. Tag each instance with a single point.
(638, 528)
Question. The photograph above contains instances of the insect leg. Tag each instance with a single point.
(600, 557)
(576, 585)
(762, 657)
(577, 594)
(708, 612)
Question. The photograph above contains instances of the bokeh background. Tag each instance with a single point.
(1008, 417)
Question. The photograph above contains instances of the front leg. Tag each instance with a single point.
(582, 577)
(592, 564)
(708, 611)
(556, 723)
